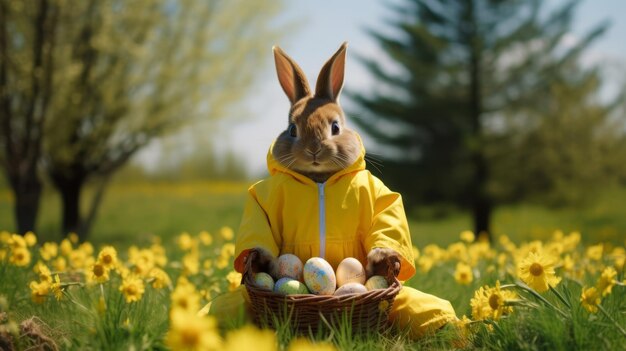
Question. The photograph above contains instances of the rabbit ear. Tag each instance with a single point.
(330, 79)
(290, 76)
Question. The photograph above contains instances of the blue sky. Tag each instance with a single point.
(322, 25)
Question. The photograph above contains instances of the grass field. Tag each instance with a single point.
(149, 298)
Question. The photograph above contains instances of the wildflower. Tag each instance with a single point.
(87, 248)
(304, 344)
(467, 236)
(207, 264)
(160, 278)
(568, 263)
(108, 257)
(143, 260)
(20, 256)
(457, 251)
(66, 247)
(594, 252)
(59, 264)
(416, 253)
(99, 273)
(227, 233)
(435, 252)
(590, 299)
(30, 239)
(606, 281)
(158, 251)
(56, 288)
(189, 331)
(571, 241)
(463, 274)
(537, 271)
(5, 237)
(185, 296)
(191, 265)
(79, 259)
(17, 241)
(425, 263)
(186, 242)
(250, 338)
(39, 291)
(489, 303)
(205, 238)
(234, 280)
(48, 251)
(133, 288)
(3, 254)
(43, 271)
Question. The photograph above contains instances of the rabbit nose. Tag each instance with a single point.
(314, 153)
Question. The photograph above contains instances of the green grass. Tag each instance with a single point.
(133, 212)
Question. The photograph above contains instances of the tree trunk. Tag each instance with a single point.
(481, 213)
(27, 191)
(70, 187)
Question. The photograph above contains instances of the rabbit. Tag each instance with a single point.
(317, 143)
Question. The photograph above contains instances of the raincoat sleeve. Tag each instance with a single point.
(254, 231)
(390, 228)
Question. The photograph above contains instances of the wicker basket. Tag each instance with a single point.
(308, 313)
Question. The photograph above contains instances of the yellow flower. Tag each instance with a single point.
(457, 251)
(43, 271)
(186, 242)
(3, 254)
(191, 265)
(161, 279)
(606, 281)
(39, 291)
(571, 241)
(17, 241)
(20, 256)
(234, 280)
(98, 273)
(250, 338)
(73, 237)
(416, 253)
(108, 257)
(425, 263)
(568, 263)
(30, 239)
(383, 306)
(59, 264)
(133, 288)
(66, 247)
(158, 251)
(205, 238)
(489, 303)
(49, 251)
(87, 248)
(188, 331)
(463, 274)
(467, 236)
(185, 296)
(56, 288)
(304, 344)
(594, 252)
(5, 237)
(480, 305)
(434, 252)
(537, 271)
(227, 233)
(590, 299)
(143, 260)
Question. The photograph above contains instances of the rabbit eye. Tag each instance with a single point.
(293, 131)
(335, 128)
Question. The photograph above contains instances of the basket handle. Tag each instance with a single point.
(393, 267)
(252, 255)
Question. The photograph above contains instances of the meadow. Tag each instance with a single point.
(552, 278)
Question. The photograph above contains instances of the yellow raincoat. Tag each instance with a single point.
(347, 216)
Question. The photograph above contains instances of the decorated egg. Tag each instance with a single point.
(351, 288)
(264, 280)
(287, 265)
(288, 286)
(376, 282)
(319, 276)
(350, 270)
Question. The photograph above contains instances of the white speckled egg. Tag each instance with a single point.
(376, 282)
(288, 286)
(319, 276)
(350, 270)
(264, 280)
(287, 265)
(351, 288)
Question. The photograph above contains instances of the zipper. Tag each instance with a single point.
(322, 216)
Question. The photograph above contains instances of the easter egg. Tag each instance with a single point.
(287, 265)
(350, 270)
(264, 280)
(319, 276)
(376, 282)
(288, 286)
(351, 288)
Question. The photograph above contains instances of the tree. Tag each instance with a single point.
(127, 72)
(471, 74)
(28, 40)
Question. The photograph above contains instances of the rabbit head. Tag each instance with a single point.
(317, 143)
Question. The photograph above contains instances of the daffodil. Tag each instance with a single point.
(98, 273)
(188, 331)
(606, 281)
(594, 252)
(48, 251)
(43, 271)
(57, 288)
(234, 280)
(251, 338)
(160, 278)
(186, 242)
(205, 238)
(20, 256)
(537, 271)
(227, 233)
(305, 344)
(490, 303)
(590, 299)
(463, 274)
(30, 239)
(467, 236)
(185, 296)
(108, 257)
(39, 290)
(133, 288)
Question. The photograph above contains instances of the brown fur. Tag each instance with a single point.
(378, 261)
(315, 152)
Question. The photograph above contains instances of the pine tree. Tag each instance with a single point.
(469, 75)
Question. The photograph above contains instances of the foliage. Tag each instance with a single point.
(478, 90)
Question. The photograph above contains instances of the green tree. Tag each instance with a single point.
(127, 72)
(470, 75)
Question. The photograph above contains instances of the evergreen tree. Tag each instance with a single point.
(471, 75)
